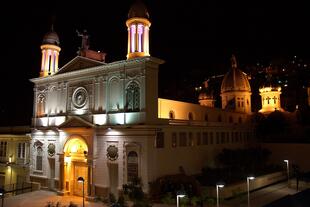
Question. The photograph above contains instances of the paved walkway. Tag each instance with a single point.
(263, 196)
(41, 198)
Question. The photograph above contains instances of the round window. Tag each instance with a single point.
(79, 97)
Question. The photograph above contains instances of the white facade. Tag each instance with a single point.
(105, 123)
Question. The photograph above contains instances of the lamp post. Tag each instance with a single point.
(217, 194)
(179, 195)
(288, 172)
(248, 185)
(2, 196)
(81, 180)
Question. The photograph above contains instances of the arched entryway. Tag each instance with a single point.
(75, 166)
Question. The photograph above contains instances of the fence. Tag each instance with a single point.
(17, 188)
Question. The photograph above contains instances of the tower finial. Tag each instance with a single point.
(233, 61)
(53, 18)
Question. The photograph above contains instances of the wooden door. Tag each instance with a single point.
(80, 170)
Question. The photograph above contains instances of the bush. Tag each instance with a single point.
(135, 193)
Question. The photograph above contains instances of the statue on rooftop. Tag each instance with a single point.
(85, 39)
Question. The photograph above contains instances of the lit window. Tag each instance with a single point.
(140, 37)
(133, 97)
(39, 159)
(133, 38)
(21, 150)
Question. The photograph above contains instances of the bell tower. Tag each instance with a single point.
(50, 52)
(138, 26)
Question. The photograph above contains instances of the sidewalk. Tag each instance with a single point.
(263, 196)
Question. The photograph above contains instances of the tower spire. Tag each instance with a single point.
(233, 61)
(50, 52)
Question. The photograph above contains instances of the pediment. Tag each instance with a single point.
(79, 63)
(75, 121)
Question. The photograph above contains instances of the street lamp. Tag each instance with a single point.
(288, 172)
(81, 180)
(179, 195)
(2, 196)
(217, 194)
(248, 185)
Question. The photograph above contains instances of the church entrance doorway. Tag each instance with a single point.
(75, 158)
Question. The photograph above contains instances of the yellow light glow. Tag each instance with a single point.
(74, 148)
(67, 159)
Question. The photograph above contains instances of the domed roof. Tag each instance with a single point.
(138, 9)
(51, 38)
(235, 79)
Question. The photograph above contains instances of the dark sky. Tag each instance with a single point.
(195, 38)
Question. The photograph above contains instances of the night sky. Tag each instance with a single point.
(195, 38)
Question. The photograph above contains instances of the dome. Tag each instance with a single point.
(51, 38)
(138, 9)
(235, 80)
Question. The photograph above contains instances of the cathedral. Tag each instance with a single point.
(105, 122)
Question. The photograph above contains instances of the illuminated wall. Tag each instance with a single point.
(270, 99)
(14, 154)
(177, 110)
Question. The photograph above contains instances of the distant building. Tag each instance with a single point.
(14, 156)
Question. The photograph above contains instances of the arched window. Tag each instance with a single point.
(190, 116)
(132, 165)
(171, 115)
(39, 158)
(40, 105)
(133, 97)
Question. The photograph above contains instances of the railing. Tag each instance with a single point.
(17, 188)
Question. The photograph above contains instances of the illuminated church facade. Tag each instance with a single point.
(105, 122)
